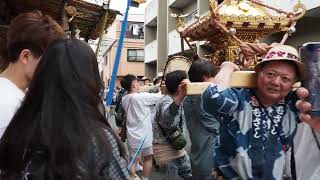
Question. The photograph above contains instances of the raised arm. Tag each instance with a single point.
(150, 98)
(169, 109)
(219, 98)
(223, 78)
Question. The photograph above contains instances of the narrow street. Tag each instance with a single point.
(155, 174)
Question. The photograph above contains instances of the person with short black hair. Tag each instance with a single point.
(128, 80)
(168, 120)
(201, 71)
(28, 36)
(139, 108)
(203, 127)
(157, 80)
(156, 85)
(173, 80)
(146, 81)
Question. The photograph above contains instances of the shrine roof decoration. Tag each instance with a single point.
(71, 14)
(235, 21)
(243, 15)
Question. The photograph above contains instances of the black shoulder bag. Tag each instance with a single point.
(176, 138)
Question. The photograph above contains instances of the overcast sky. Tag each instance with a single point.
(121, 6)
(287, 5)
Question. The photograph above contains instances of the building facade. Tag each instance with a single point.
(132, 55)
(307, 29)
(162, 40)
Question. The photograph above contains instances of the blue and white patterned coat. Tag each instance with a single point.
(253, 138)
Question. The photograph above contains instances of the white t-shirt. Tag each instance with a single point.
(307, 154)
(140, 113)
(10, 100)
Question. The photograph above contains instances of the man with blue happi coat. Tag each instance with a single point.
(257, 126)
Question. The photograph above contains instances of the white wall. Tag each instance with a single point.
(150, 52)
(151, 11)
(170, 2)
(174, 43)
(150, 34)
(132, 17)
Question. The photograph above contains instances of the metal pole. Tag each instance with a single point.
(118, 55)
(104, 22)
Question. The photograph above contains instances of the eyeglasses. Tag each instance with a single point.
(271, 75)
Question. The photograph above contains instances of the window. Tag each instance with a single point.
(136, 55)
(135, 30)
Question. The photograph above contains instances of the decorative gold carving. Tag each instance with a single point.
(213, 5)
(299, 7)
(251, 20)
(180, 21)
(71, 11)
(233, 54)
(242, 7)
(180, 25)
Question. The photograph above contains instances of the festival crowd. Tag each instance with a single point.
(53, 123)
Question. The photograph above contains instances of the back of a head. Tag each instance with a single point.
(3, 64)
(3, 53)
(32, 31)
(127, 80)
(157, 80)
(173, 80)
(60, 110)
(199, 69)
(71, 66)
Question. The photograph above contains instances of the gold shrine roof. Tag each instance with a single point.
(242, 15)
(242, 9)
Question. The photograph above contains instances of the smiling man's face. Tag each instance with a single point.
(275, 80)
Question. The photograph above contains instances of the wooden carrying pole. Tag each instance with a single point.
(239, 79)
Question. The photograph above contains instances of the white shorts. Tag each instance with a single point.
(144, 151)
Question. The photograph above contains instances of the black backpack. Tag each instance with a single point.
(120, 113)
